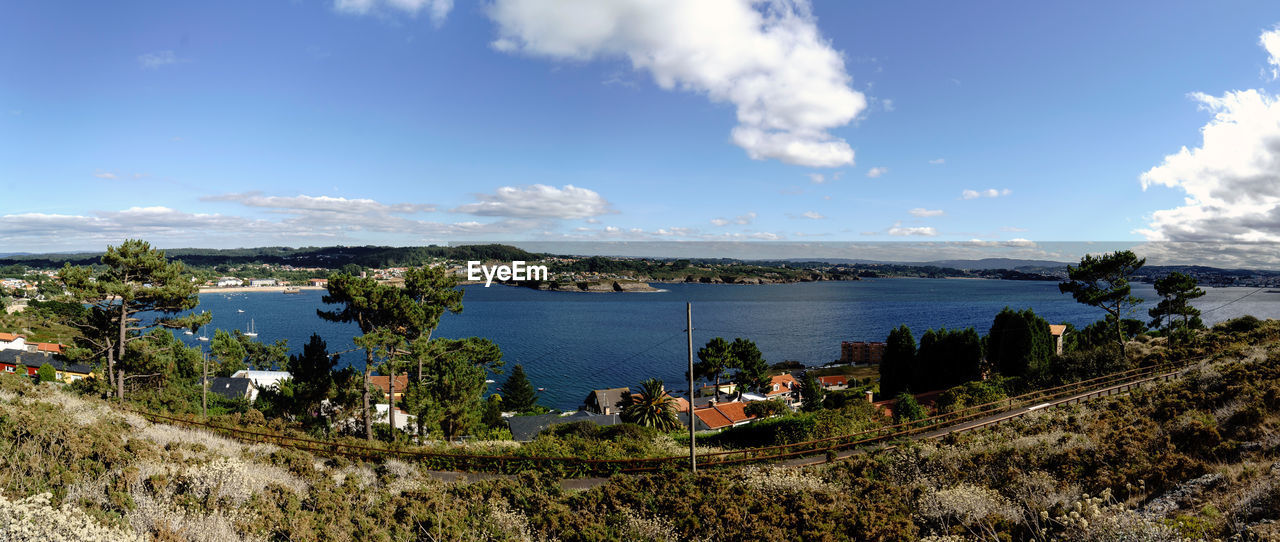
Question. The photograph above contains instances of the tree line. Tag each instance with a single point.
(141, 357)
(1019, 344)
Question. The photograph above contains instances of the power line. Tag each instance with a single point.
(1230, 302)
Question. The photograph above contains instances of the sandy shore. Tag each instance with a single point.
(242, 289)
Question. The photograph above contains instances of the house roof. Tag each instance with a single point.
(231, 388)
(723, 415)
(8, 337)
(608, 397)
(834, 380)
(784, 382)
(1057, 330)
(11, 357)
(262, 379)
(384, 383)
(49, 347)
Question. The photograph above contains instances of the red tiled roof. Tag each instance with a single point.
(384, 383)
(784, 384)
(49, 347)
(721, 415)
(834, 380)
(8, 336)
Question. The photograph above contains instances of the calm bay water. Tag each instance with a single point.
(571, 343)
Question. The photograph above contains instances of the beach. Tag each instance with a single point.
(242, 289)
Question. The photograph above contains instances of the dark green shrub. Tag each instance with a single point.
(46, 373)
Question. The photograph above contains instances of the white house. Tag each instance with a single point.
(261, 380)
(226, 282)
(262, 282)
(10, 341)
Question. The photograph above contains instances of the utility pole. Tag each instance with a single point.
(204, 386)
(693, 458)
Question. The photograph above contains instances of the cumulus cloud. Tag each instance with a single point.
(740, 220)
(938, 161)
(922, 231)
(817, 178)
(1232, 180)
(104, 175)
(768, 59)
(1012, 243)
(159, 59)
(988, 193)
(303, 203)
(1270, 40)
(922, 212)
(539, 201)
(810, 215)
(877, 172)
(438, 9)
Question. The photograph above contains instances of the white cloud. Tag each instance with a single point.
(320, 204)
(887, 104)
(876, 172)
(539, 201)
(104, 175)
(741, 220)
(769, 60)
(438, 9)
(938, 161)
(811, 215)
(988, 193)
(817, 178)
(923, 231)
(922, 212)
(1011, 243)
(1232, 180)
(159, 59)
(1270, 40)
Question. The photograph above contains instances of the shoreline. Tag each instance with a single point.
(264, 289)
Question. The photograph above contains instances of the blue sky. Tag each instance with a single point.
(423, 121)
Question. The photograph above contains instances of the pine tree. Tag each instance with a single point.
(896, 364)
(518, 394)
(1103, 282)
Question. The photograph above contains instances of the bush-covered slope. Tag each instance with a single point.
(1194, 459)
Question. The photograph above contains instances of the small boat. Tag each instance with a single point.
(488, 381)
(292, 290)
(204, 337)
(239, 310)
(252, 332)
(188, 332)
(542, 389)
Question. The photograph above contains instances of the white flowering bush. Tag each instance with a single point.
(781, 480)
(977, 509)
(34, 519)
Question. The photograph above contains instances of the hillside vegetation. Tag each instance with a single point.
(1195, 458)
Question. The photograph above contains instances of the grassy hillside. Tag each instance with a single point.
(1195, 458)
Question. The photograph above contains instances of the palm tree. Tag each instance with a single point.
(652, 407)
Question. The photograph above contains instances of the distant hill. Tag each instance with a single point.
(999, 263)
(326, 257)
